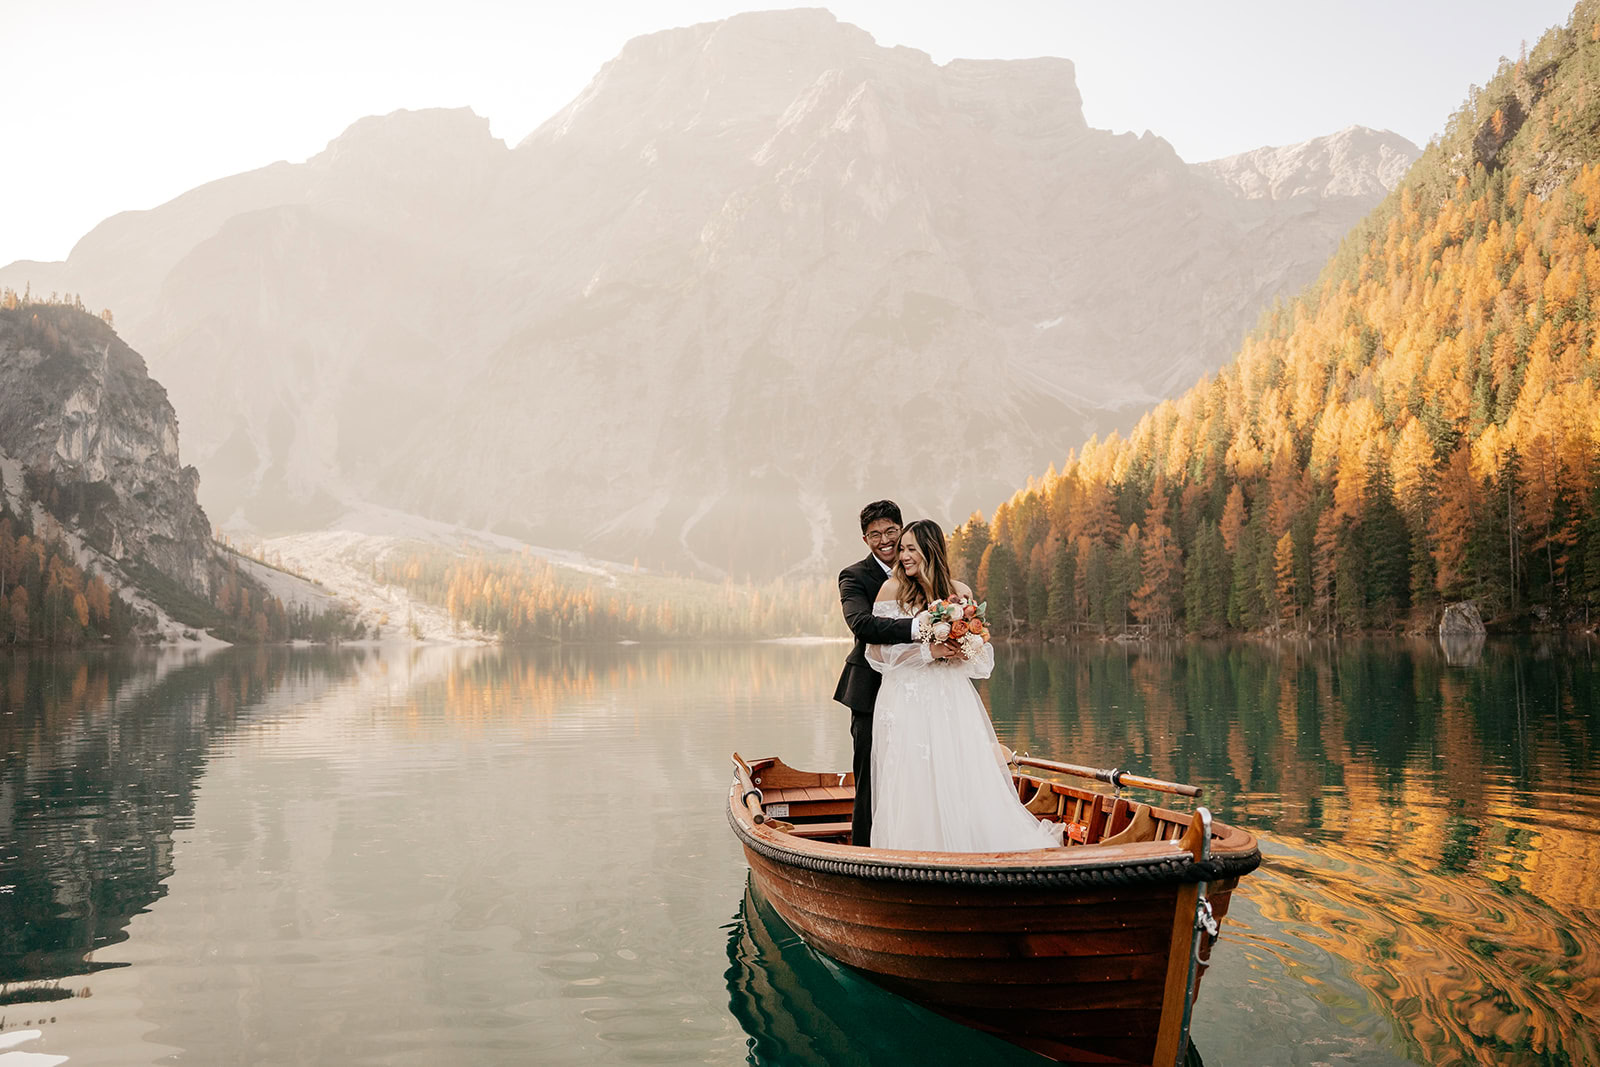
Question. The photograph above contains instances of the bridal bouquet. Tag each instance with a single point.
(959, 619)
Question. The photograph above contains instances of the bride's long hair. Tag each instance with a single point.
(933, 578)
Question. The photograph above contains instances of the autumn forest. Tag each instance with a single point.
(1419, 428)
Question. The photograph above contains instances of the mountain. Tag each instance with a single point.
(89, 459)
(1356, 162)
(79, 411)
(1418, 428)
(758, 272)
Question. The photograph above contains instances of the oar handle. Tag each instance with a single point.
(1114, 777)
(751, 797)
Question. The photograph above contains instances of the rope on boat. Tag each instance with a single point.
(1165, 871)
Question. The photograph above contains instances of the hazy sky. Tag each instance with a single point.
(112, 104)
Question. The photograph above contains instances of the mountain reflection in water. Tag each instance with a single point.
(101, 754)
(519, 854)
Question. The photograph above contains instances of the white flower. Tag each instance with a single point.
(971, 645)
(941, 630)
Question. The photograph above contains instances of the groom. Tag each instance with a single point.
(858, 685)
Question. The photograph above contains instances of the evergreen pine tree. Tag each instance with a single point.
(1126, 576)
(967, 548)
(1002, 589)
(1387, 544)
(1217, 576)
(1060, 610)
(1350, 579)
(1588, 581)
(1205, 582)
(1098, 586)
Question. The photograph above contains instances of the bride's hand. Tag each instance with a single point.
(945, 650)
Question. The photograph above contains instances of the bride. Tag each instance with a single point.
(939, 781)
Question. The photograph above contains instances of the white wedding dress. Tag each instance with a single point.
(939, 780)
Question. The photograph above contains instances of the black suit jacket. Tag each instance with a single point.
(858, 587)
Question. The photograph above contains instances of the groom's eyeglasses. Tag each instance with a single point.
(890, 536)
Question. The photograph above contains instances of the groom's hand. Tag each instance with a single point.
(920, 624)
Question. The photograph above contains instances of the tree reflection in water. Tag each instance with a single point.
(1431, 890)
(1431, 827)
(102, 752)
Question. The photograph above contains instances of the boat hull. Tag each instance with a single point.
(1077, 976)
(1079, 954)
(799, 1006)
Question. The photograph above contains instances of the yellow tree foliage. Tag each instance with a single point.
(1411, 470)
(1233, 518)
(1283, 570)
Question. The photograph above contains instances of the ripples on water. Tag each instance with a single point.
(1432, 832)
(281, 856)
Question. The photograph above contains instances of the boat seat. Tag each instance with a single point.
(1045, 801)
(819, 829)
(1141, 828)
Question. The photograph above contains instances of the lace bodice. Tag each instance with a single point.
(889, 609)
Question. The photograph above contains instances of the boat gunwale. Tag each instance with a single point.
(1234, 853)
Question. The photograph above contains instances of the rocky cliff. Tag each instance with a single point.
(98, 442)
(758, 272)
(89, 456)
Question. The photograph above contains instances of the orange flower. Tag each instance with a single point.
(971, 611)
(958, 629)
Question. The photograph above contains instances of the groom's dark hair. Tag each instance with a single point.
(879, 509)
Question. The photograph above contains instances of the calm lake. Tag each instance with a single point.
(419, 856)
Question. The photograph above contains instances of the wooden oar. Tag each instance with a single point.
(752, 796)
(1114, 777)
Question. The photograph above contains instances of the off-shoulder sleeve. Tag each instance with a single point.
(886, 658)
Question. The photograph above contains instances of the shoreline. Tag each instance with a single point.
(205, 641)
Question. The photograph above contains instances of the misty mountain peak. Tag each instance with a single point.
(402, 135)
(418, 161)
(705, 79)
(797, 36)
(1355, 161)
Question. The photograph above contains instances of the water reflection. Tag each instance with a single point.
(102, 753)
(541, 683)
(101, 756)
(1434, 829)
(303, 856)
(801, 1009)
(519, 854)
(1462, 650)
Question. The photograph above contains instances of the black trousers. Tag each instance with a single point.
(861, 817)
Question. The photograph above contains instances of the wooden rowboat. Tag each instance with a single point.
(1089, 953)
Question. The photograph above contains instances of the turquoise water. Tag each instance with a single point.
(503, 856)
